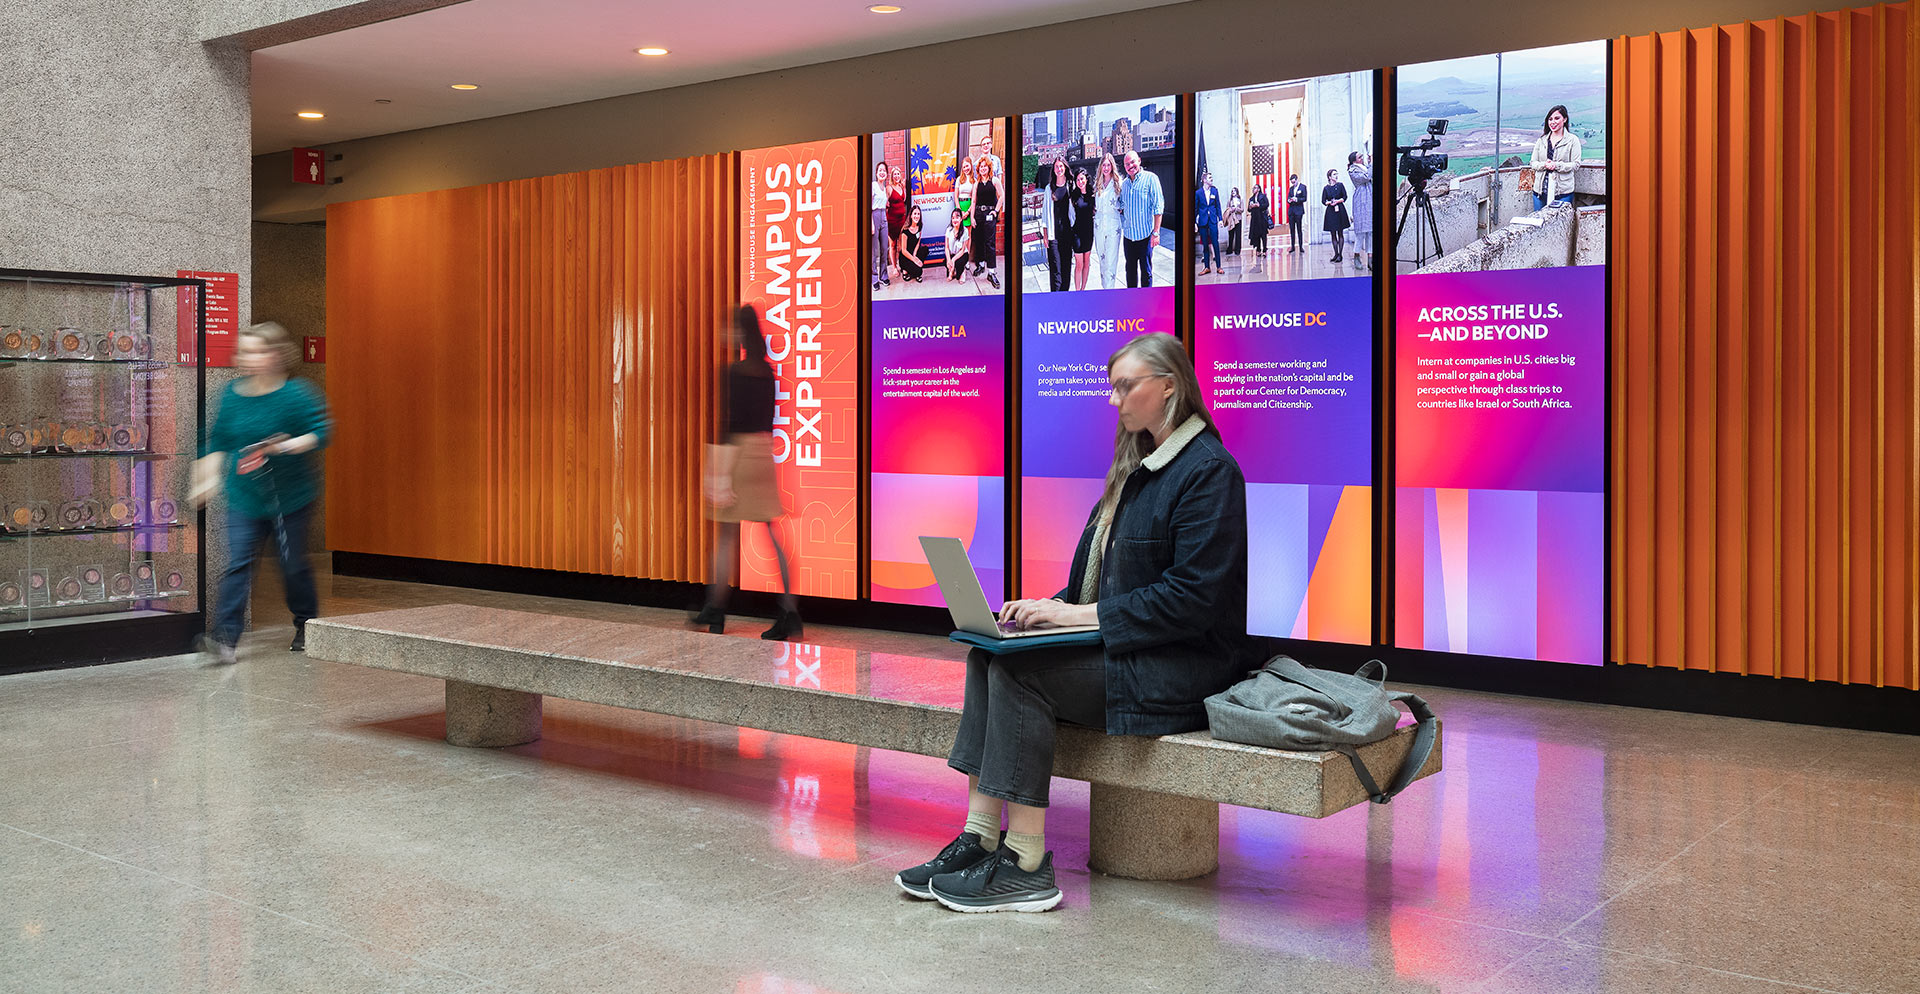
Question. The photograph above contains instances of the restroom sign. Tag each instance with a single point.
(310, 166)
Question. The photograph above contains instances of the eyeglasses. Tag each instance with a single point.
(1125, 385)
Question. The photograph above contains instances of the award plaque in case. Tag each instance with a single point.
(121, 512)
(38, 586)
(126, 438)
(174, 582)
(143, 583)
(11, 597)
(93, 584)
(71, 343)
(29, 516)
(163, 512)
(121, 586)
(67, 591)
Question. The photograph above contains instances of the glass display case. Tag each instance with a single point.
(100, 418)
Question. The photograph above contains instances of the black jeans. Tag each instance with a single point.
(1139, 256)
(1012, 703)
(244, 538)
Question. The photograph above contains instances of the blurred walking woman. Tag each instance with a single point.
(260, 454)
(740, 483)
(1162, 569)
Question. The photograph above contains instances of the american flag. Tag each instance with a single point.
(1270, 170)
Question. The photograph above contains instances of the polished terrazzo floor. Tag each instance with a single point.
(293, 825)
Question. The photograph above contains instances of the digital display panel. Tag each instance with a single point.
(1499, 244)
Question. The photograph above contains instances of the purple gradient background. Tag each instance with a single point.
(1067, 442)
(1502, 512)
(1488, 449)
(938, 463)
(1333, 442)
(963, 436)
(1298, 463)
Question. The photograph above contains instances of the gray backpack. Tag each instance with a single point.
(1285, 705)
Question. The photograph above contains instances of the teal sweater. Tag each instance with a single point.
(286, 483)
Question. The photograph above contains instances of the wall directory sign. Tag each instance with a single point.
(1500, 339)
(1283, 338)
(1099, 206)
(935, 199)
(798, 262)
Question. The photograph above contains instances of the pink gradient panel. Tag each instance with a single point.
(1053, 512)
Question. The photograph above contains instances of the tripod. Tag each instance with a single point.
(1420, 205)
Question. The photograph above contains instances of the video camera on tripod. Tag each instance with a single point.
(1420, 163)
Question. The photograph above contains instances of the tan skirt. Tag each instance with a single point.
(756, 492)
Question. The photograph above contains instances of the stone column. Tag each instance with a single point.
(1147, 836)
(491, 718)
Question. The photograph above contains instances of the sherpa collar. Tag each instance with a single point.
(1158, 459)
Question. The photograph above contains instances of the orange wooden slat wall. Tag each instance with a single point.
(531, 367)
(1765, 370)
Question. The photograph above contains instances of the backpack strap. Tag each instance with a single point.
(1292, 669)
(1424, 732)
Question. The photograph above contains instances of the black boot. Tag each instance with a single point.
(784, 627)
(299, 636)
(712, 617)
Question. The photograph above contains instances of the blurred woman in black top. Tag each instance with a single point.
(740, 483)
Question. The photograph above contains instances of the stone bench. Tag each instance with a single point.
(1144, 791)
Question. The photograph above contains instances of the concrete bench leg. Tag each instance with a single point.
(1148, 836)
(490, 718)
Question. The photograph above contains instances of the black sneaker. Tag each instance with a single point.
(998, 884)
(959, 854)
(299, 636)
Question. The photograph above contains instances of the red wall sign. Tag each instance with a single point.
(223, 308)
(310, 166)
(313, 348)
(799, 249)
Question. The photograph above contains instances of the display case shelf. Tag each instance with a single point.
(135, 456)
(45, 533)
(69, 360)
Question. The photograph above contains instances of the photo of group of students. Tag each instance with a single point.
(935, 199)
(1098, 197)
(1283, 180)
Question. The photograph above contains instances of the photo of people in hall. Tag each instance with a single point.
(1501, 161)
(1099, 197)
(1283, 180)
(935, 201)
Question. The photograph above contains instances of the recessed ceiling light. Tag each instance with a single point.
(651, 51)
(884, 8)
(311, 115)
(466, 86)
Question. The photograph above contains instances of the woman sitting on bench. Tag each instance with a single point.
(1162, 568)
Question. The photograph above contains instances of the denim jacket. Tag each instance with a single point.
(1173, 589)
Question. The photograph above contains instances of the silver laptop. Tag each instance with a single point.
(960, 585)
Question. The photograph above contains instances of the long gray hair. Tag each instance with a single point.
(1163, 355)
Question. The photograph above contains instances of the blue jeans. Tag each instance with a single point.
(1011, 708)
(1540, 200)
(244, 536)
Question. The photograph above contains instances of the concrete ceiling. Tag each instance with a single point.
(530, 54)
